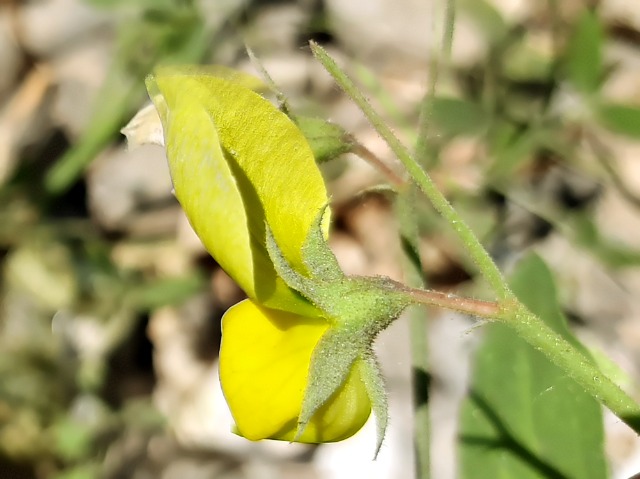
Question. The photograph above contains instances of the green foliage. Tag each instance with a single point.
(485, 15)
(72, 439)
(455, 116)
(524, 417)
(169, 32)
(620, 118)
(584, 53)
(373, 304)
(512, 148)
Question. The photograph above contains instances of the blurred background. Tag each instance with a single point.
(110, 308)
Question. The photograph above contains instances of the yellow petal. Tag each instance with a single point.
(264, 365)
(194, 154)
(235, 162)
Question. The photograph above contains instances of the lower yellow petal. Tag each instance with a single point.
(264, 365)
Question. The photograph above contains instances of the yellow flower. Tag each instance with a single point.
(264, 367)
(244, 174)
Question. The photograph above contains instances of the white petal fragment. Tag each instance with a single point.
(144, 128)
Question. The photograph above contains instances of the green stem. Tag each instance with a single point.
(418, 326)
(439, 63)
(280, 97)
(410, 237)
(575, 364)
(476, 251)
(421, 380)
(447, 34)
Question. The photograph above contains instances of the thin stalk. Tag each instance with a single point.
(419, 328)
(476, 251)
(367, 155)
(421, 379)
(447, 34)
(281, 97)
(439, 63)
(470, 306)
(417, 323)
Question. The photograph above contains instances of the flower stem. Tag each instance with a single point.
(367, 155)
(476, 251)
(470, 306)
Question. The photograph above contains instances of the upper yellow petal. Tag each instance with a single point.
(264, 367)
(269, 176)
(205, 187)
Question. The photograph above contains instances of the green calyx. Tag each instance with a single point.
(362, 305)
(358, 308)
(327, 140)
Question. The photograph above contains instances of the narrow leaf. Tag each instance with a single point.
(487, 18)
(584, 53)
(621, 119)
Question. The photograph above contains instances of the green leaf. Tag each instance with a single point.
(510, 148)
(621, 119)
(331, 363)
(584, 53)
(72, 439)
(487, 18)
(524, 418)
(318, 257)
(455, 116)
(526, 60)
(166, 291)
(373, 301)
